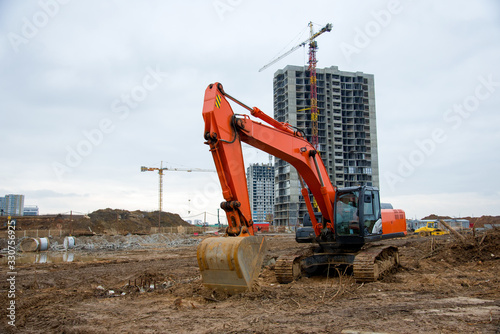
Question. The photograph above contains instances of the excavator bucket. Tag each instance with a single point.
(231, 263)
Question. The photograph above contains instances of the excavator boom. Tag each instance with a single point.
(224, 132)
(233, 262)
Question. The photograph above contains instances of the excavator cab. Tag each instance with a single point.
(357, 213)
(357, 217)
(360, 218)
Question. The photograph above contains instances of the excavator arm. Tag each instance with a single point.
(221, 258)
(224, 132)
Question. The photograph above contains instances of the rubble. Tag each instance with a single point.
(132, 241)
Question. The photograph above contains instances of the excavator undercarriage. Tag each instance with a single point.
(368, 264)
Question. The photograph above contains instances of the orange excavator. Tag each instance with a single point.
(344, 231)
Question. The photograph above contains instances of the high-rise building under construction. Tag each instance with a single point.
(260, 181)
(346, 136)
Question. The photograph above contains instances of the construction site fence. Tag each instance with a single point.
(53, 233)
(180, 229)
(63, 233)
(38, 233)
(212, 229)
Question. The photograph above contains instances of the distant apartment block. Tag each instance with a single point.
(347, 133)
(12, 205)
(3, 208)
(31, 210)
(260, 180)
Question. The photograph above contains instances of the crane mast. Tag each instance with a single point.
(313, 46)
(312, 78)
(160, 186)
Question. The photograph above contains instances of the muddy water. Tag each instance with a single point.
(52, 257)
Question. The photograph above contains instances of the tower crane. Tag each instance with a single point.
(160, 173)
(313, 46)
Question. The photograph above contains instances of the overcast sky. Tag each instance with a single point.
(90, 91)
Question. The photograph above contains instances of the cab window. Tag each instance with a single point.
(371, 210)
(347, 214)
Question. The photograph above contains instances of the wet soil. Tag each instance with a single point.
(442, 286)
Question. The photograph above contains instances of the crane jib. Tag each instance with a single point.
(310, 40)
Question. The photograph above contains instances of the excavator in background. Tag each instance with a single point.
(349, 220)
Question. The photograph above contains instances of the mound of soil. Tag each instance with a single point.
(475, 248)
(114, 221)
(104, 221)
(477, 221)
(435, 217)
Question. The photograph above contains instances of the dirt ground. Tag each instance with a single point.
(443, 286)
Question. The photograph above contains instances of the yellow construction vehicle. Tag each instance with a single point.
(431, 228)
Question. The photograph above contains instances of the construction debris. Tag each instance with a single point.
(131, 241)
(34, 244)
(452, 230)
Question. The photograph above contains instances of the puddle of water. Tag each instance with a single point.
(51, 257)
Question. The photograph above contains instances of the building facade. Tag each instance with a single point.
(260, 182)
(3, 208)
(13, 205)
(347, 132)
(31, 210)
